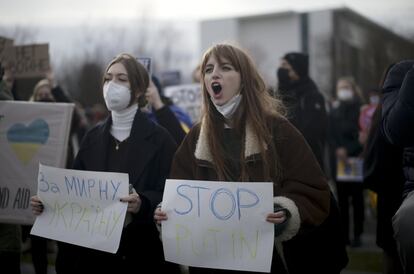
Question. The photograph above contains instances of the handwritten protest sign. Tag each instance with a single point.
(31, 60)
(29, 133)
(187, 97)
(82, 207)
(218, 224)
(349, 171)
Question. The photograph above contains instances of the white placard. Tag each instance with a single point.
(218, 224)
(30, 133)
(187, 97)
(82, 207)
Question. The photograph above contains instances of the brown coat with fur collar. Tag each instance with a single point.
(303, 188)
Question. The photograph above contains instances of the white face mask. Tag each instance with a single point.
(117, 97)
(374, 100)
(345, 94)
(228, 109)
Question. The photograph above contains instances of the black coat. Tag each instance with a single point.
(383, 173)
(398, 115)
(151, 149)
(306, 111)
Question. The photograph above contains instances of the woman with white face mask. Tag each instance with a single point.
(126, 142)
(344, 136)
(243, 137)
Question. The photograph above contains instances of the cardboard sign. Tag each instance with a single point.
(218, 224)
(31, 61)
(350, 170)
(29, 133)
(187, 97)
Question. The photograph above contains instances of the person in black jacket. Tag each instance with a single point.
(383, 174)
(344, 141)
(397, 128)
(126, 142)
(305, 104)
(306, 111)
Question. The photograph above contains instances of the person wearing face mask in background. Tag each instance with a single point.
(306, 110)
(305, 104)
(344, 141)
(127, 141)
(244, 137)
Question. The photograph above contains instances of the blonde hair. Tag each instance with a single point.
(41, 83)
(357, 90)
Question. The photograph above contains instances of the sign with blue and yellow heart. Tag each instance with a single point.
(30, 133)
(26, 140)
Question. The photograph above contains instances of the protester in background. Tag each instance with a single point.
(126, 142)
(366, 113)
(196, 75)
(96, 114)
(10, 234)
(46, 91)
(304, 103)
(7, 86)
(242, 136)
(383, 174)
(344, 131)
(306, 111)
(38, 246)
(397, 128)
(164, 112)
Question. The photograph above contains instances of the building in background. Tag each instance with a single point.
(339, 42)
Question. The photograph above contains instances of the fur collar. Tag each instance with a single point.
(202, 151)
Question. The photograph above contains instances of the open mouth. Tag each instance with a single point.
(216, 88)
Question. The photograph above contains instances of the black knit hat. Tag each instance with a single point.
(299, 63)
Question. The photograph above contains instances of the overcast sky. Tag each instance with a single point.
(396, 15)
(75, 11)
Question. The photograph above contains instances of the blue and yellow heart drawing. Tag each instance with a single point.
(26, 140)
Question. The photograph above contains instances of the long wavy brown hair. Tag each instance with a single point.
(257, 110)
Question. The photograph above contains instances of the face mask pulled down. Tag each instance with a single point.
(117, 97)
(228, 109)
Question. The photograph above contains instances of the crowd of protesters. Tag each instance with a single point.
(295, 137)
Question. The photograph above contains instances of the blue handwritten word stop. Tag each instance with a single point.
(241, 198)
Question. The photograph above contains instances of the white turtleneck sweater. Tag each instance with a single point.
(122, 122)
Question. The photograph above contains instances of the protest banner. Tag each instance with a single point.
(30, 64)
(187, 97)
(30, 133)
(349, 170)
(218, 224)
(31, 61)
(82, 207)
